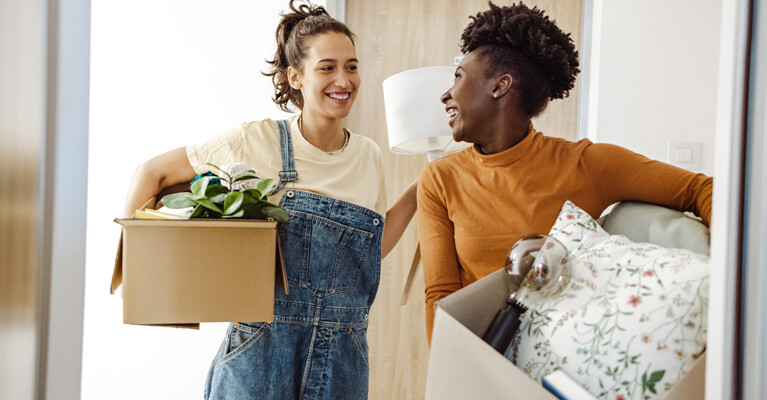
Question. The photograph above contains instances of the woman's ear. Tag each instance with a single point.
(502, 86)
(294, 78)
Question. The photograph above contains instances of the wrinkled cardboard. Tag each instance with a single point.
(463, 366)
(183, 272)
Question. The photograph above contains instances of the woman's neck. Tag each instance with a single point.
(326, 134)
(505, 134)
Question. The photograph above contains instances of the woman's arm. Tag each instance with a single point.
(398, 217)
(441, 269)
(621, 174)
(160, 172)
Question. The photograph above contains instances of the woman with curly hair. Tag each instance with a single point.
(473, 205)
(331, 183)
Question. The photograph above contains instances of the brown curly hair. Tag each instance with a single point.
(305, 21)
(528, 45)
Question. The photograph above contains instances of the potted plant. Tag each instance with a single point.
(236, 192)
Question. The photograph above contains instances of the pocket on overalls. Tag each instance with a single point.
(338, 254)
(360, 341)
(351, 253)
(242, 336)
(323, 254)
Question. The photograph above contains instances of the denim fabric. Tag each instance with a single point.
(316, 347)
(288, 172)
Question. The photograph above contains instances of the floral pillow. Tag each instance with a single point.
(628, 324)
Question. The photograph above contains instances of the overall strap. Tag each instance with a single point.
(288, 172)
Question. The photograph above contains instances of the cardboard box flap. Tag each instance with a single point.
(198, 223)
(280, 272)
(490, 293)
(117, 272)
(499, 377)
(195, 223)
(177, 326)
(457, 323)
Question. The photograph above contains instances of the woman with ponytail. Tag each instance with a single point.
(331, 183)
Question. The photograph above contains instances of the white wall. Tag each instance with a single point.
(164, 73)
(679, 78)
(654, 75)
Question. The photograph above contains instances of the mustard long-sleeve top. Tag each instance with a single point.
(473, 207)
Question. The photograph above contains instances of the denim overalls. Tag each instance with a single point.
(316, 348)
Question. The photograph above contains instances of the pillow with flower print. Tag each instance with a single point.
(630, 321)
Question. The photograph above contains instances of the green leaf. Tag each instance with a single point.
(197, 211)
(649, 383)
(228, 177)
(232, 202)
(252, 196)
(245, 177)
(238, 214)
(276, 212)
(253, 212)
(209, 205)
(219, 198)
(213, 165)
(265, 187)
(214, 190)
(179, 200)
(201, 185)
(656, 376)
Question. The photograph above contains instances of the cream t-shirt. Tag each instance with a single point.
(355, 175)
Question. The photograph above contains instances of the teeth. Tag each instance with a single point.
(339, 96)
(452, 112)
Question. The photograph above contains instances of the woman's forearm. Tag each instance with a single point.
(142, 187)
(398, 217)
(160, 172)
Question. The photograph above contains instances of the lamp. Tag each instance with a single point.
(416, 120)
(536, 263)
(417, 123)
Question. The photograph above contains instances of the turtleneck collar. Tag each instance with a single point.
(509, 155)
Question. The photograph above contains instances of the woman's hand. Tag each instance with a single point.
(398, 217)
(156, 174)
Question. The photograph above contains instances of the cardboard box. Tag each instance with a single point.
(183, 272)
(463, 366)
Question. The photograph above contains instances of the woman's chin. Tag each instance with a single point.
(343, 113)
(458, 136)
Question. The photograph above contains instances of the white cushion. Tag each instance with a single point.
(629, 323)
(650, 223)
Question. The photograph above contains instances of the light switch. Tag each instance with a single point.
(685, 155)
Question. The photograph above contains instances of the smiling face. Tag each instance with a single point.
(469, 101)
(329, 78)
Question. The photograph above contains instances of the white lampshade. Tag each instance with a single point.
(416, 120)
